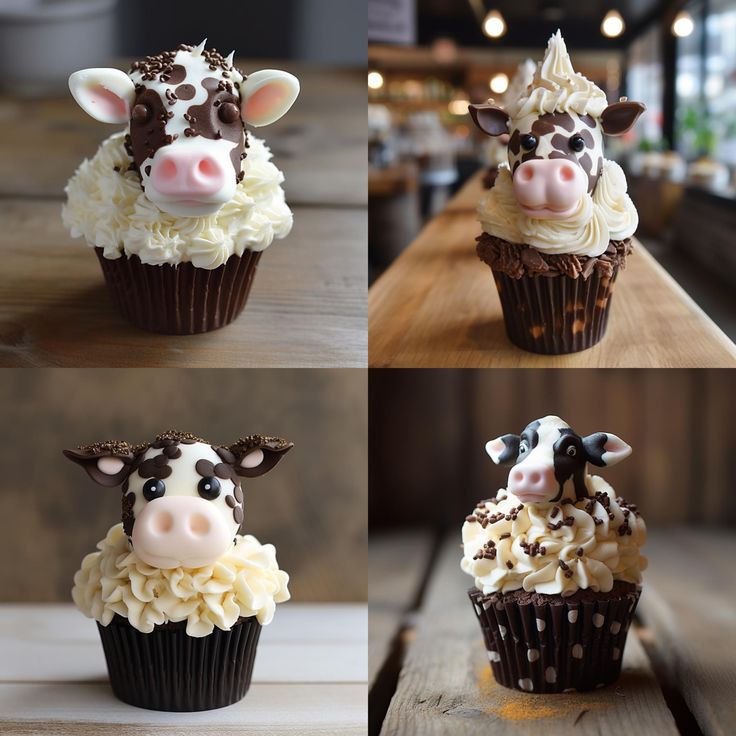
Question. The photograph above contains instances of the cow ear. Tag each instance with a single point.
(256, 455)
(107, 463)
(105, 94)
(605, 449)
(616, 119)
(267, 95)
(490, 119)
(504, 450)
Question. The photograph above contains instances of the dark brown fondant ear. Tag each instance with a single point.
(107, 463)
(616, 119)
(490, 119)
(256, 455)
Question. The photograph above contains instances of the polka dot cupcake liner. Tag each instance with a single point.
(555, 646)
(171, 671)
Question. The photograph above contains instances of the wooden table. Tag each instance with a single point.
(308, 304)
(437, 307)
(679, 674)
(309, 678)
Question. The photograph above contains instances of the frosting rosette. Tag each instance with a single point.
(107, 207)
(245, 581)
(554, 548)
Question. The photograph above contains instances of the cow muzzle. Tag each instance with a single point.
(180, 531)
(549, 188)
(532, 483)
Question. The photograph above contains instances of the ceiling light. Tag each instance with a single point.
(499, 83)
(683, 24)
(613, 24)
(375, 80)
(458, 107)
(494, 26)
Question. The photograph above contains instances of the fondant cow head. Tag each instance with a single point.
(555, 149)
(182, 499)
(548, 454)
(186, 111)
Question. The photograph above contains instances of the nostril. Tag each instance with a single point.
(535, 477)
(526, 173)
(199, 525)
(567, 173)
(167, 169)
(207, 167)
(517, 475)
(162, 522)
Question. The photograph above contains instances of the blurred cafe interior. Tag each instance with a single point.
(429, 59)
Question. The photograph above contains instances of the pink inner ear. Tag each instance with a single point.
(108, 101)
(262, 103)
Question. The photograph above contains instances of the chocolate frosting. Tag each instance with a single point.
(517, 260)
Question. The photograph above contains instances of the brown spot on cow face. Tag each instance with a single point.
(238, 494)
(546, 123)
(515, 142)
(184, 91)
(206, 120)
(238, 515)
(148, 132)
(155, 467)
(588, 120)
(127, 515)
(231, 502)
(177, 75)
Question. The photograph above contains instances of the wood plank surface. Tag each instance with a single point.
(397, 563)
(690, 608)
(437, 306)
(446, 685)
(307, 307)
(309, 677)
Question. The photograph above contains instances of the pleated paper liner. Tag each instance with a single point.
(556, 646)
(557, 314)
(181, 299)
(169, 670)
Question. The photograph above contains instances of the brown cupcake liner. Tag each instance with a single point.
(556, 314)
(169, 670)
(555, 647)
(180, 299)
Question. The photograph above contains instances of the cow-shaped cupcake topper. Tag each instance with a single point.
(556, 128)
(182, 497)
(186, 111)
(548, 455)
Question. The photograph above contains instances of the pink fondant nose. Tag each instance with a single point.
(186, 172)
(180, 531)
(549, 188)
(532, 483)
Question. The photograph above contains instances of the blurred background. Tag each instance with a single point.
(428, 429)
(312, 506)
(428, 59)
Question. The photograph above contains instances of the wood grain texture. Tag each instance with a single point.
(689, 604)
(446, 685)
(437, 306)
(397, 563)
(309, 678)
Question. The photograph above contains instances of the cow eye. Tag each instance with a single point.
(209, 488)
(228, 112)
(576, 143)
(572, 451)
(522, 448)
(153, 488)
(141, 113)
(528, 142)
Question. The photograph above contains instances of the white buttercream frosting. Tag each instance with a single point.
(608, 214)
(595, 554)
(245, 581)
(556, 86)
(110, 210)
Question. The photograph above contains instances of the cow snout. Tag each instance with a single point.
(180, 531)
(549, 188)
(532, 483)
(187, 174)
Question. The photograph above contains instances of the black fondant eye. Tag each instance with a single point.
(228, 112)
(528, 142)
(141, 113)
(209, 488)
(153, 488)
(572, 451)
(576, 143)
(522, 448)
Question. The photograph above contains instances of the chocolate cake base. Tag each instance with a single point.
(550, 644)
(169, 670)
(553, 304)
(181, 299)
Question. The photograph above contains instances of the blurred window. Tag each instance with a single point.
(644, 83)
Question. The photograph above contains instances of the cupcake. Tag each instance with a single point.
(557, 223)
(178, 594)
(555, 561)
(181, 203)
